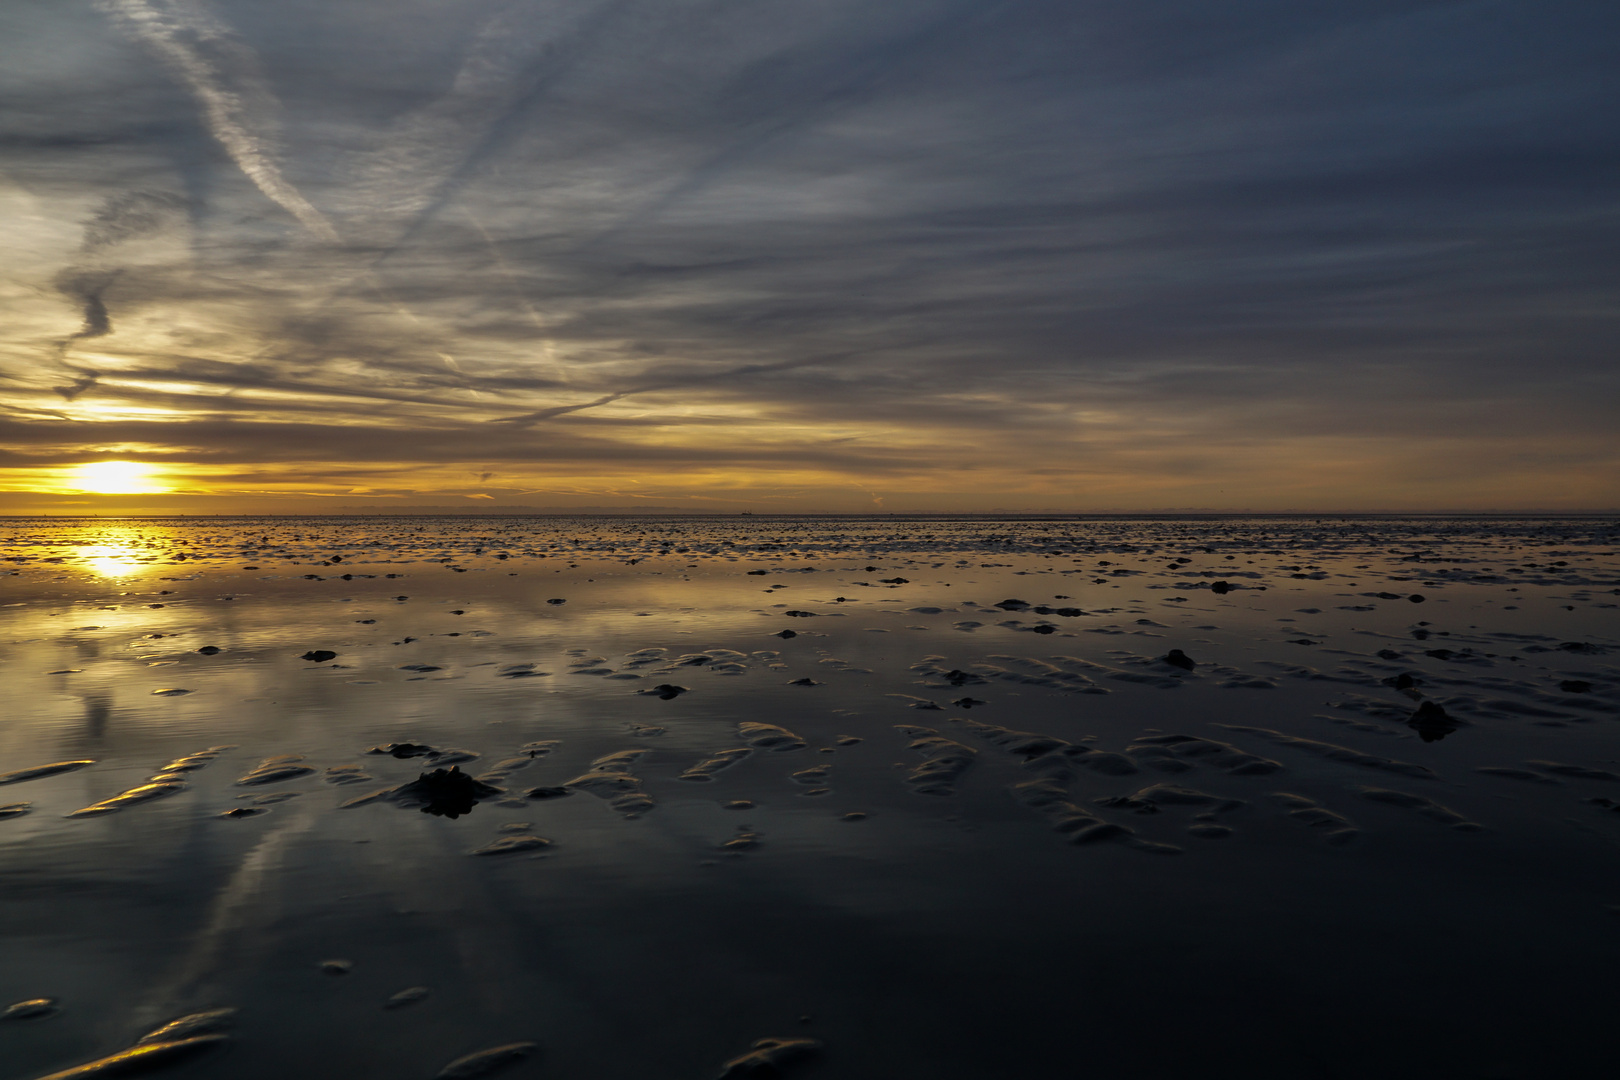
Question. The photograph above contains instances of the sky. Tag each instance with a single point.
(790, 256)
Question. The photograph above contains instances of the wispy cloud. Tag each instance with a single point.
(934, 252)
(407, 169)
(224, 76)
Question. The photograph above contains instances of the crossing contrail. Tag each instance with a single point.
(222, 73)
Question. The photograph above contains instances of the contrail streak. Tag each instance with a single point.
(524, 419)
(422, 157)
(241, 116)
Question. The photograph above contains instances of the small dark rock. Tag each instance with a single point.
(667, 691)
(1431, 722)
(445, 792)
(319, 656)
(402, 750)
(1177, 658)
(1575, 686)
(548, 793)
(1417, 598)
(786, 634)
(209, 650)
(556, 601)
(1220, 587)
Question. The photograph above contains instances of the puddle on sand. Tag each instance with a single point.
(858, 798)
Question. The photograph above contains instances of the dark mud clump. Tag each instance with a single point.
(665, 691)
(449, 755)
(402, 750)
(444, 793)
(1431, 722)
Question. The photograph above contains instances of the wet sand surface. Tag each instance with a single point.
(862, 798)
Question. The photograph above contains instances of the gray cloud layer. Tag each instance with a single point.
(1353, 254)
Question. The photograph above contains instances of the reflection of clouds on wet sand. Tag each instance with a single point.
(644, 795)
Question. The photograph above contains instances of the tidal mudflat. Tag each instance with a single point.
(864, 798)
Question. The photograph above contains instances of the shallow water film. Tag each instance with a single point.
(863, 798)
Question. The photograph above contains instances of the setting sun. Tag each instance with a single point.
(117, 478)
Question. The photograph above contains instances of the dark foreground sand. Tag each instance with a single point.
(913, 799)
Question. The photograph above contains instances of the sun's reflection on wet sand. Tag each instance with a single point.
(112, 558)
